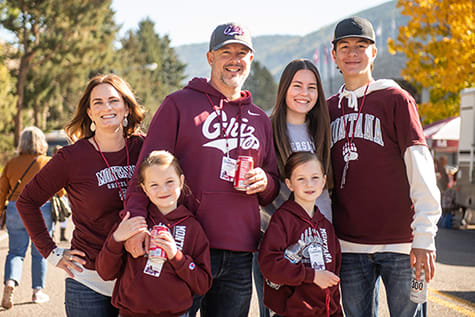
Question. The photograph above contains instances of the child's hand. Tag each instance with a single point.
(129, 227)
(165, 241)
(325, 279)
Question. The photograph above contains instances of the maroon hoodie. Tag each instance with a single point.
(376, 185)
(289, 289)
(187, 125)
(92, 191)
(171, 293)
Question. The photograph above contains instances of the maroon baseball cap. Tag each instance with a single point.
(230, 33)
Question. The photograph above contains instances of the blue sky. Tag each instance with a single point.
(192, 21)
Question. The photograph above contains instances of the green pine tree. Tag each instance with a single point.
(7, 106)
(150, 65)
(262, 86)
(60, 43)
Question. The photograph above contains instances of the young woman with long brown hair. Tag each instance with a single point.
(300, 122)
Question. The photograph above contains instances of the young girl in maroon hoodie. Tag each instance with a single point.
(300, 254)
(146, 286)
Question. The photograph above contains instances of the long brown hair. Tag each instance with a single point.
(317, 119)
(79, 126)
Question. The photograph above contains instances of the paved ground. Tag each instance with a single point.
(452, 293)
(23, 306)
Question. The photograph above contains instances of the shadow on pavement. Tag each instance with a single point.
(469, 297)
(456, 247)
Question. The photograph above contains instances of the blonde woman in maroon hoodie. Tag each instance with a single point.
(300, 255)
(186, 269)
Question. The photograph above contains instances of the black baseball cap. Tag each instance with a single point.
(230, 33)
(354, 27)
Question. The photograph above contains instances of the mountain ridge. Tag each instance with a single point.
(276, 51)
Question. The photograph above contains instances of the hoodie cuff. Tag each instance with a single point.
(309, 275)
(267, 196)
(114, 246)
(178, 260)
(423, 240)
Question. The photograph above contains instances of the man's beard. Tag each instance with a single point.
(235, 82)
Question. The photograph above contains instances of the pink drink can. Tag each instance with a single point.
(157, 253)
(244, 164)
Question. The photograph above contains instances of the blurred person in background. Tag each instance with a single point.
(62, 211)
(442, 174)
(30, 159)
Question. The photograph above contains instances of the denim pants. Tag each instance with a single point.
(360, 276)
(230, 293)
(81, 301)
(259, 284)
(18, 241)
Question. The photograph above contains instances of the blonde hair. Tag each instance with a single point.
(79, 126)
(32, 141)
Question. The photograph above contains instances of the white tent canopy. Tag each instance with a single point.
(449, 131)
(443, 136)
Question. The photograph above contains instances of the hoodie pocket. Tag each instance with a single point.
(307, 300)
(231, 220)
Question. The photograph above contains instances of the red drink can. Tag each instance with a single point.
(244, 164)
(155, 252)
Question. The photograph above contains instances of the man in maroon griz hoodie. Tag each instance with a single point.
(207, 125)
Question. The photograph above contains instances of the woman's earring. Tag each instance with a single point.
(92, 126)
(125, 122)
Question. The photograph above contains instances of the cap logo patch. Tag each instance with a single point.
(232, 30)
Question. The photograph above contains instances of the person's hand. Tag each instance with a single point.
(165, 241)
(422, 258)
(325, 279)
(129, 227)
(69, 261)
(135, 244)
(256, 181)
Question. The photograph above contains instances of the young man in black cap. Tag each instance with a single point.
(385, 202)
(207, 125)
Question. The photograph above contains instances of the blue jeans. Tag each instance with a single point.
(81, 301)
(230, 293)
(259, 284)
(360, 276)
(18, 241)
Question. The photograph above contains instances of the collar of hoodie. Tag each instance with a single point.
(353, 95)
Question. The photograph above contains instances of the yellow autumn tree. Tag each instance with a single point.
(439, 44)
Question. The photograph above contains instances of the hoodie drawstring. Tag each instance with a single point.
(327, 301)
(223, 129)
(352, 98)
